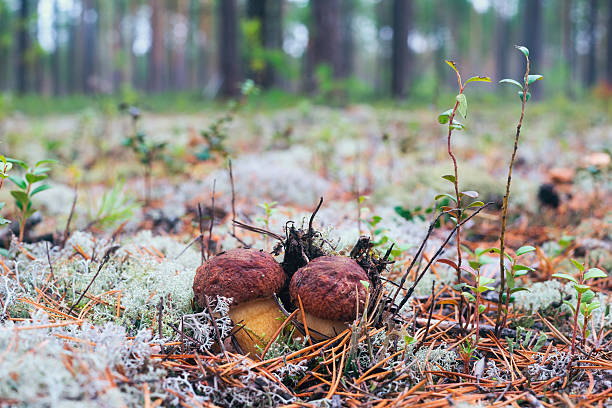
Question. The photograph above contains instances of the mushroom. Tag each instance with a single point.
(250, 277)
(330, 288)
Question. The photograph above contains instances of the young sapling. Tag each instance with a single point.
(524, 95)
(448, 117)
(5, 167)
(28, 187)
(584, 296)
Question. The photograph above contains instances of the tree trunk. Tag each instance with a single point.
(609, 44)
(567, 44)
(327, 39)
(23, 45)
(157, 46)
(533, 37)
(400, 67)
(346, 33)
(228, 48)
(89, 47)
(591, 71)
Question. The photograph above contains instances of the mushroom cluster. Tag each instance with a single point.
(251, 278)
(332, 291)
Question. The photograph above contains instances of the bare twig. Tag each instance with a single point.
(105, 259)
(231, 176)
(201, 236)
(212, 219)
(214, 322)
(67, 229)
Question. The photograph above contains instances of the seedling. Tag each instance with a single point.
(269, 210)
(148, 152)
(216, 134)
(5, 167)
(514, 271)
(28, 187)
(584, 297)
(448, 117)
(524, 95)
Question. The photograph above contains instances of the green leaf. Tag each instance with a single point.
(469, 296)
(524, 249)
(452, 65)
(457, 125)
(46, 161)
(571, 306)
(476, 204)
(593, 306)
(519, 289)
(449, 177)
(469, 193)
(594, 273)
(17, 162)
(444, 117)
(578, 265)
(520, 94)
(522, 49)
(463, 105)
(34, 178)
(522, 268)
(478, 79)
(366, 284)
(40, 189)
(561, 275)
(587, 296)
(439, 196)
(20, 183)
(21, 197)
(532, 78)
(481, 308)
(511, 81)
(580, 288)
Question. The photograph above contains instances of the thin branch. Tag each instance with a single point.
(212, 219)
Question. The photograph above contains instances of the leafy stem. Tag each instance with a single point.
(524, 95)
(449, 117)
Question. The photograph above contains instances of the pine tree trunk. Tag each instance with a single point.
(609, 44)
(400, 67)
(228, 47)
(533, 19)
(23, 45)
(591, 71)
(157, 46)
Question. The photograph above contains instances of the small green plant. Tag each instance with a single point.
(269, 210)
(5, 167)
(481, 285)
(584, 297)
(28, 187)
(114, 208)
(524, 95)
(148, 152)
(216, 134)
(513, 271)
(448, 117)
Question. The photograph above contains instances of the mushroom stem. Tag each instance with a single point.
(329, 328)
(259, 318)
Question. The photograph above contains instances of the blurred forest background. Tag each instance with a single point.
(360, 49)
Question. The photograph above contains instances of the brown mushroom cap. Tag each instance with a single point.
(242, 274)
(328, 287)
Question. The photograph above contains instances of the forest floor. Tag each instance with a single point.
(97, 302)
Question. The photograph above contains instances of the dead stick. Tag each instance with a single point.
(67, 229)
(201, 233)
(106, 258)
(231, 176)
(212, 219)
(214, 322)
